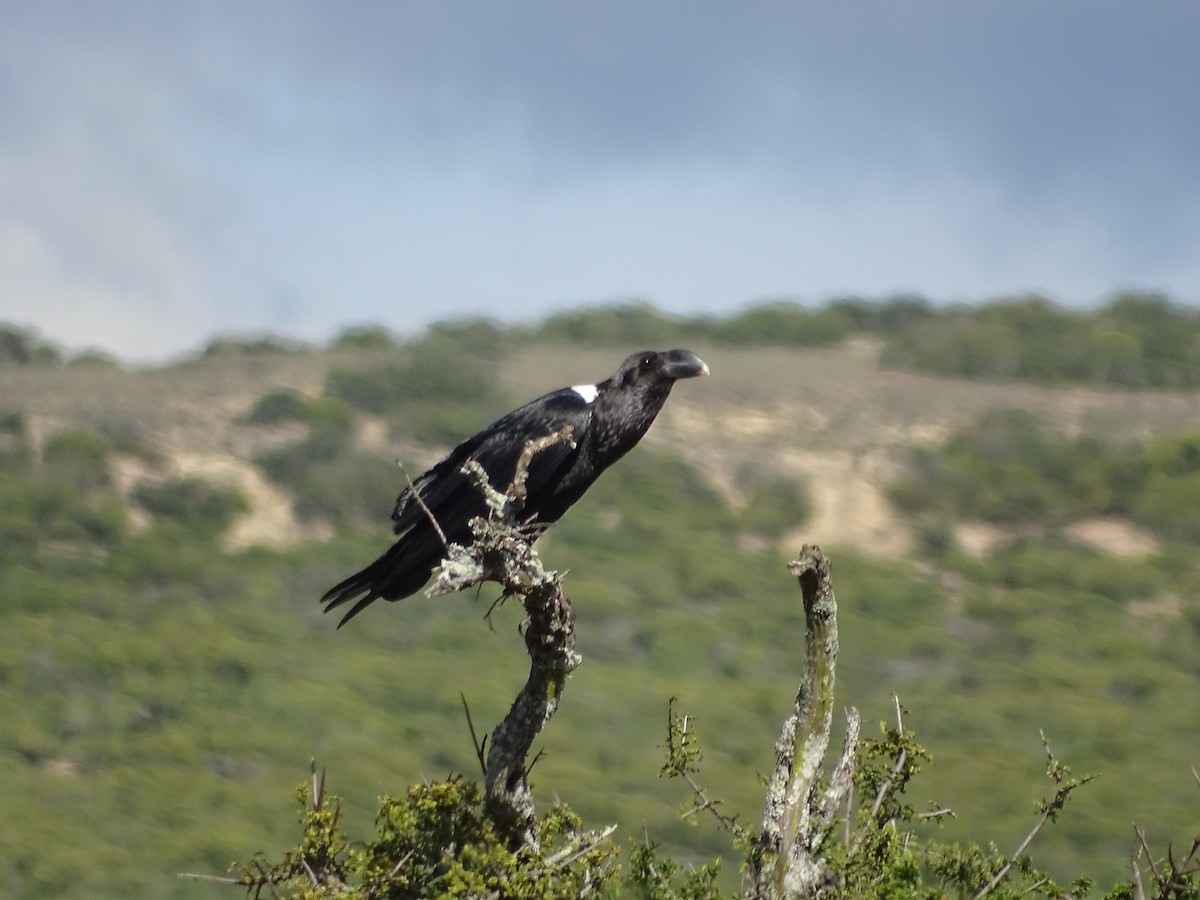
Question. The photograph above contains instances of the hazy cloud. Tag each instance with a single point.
(172, 170)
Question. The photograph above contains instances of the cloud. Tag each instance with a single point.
(171, 170)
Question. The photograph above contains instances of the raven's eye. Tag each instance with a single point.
(647, 362)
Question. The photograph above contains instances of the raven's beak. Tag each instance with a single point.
(683, 364)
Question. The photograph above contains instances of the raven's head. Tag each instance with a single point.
(661, 369)
(628, 401)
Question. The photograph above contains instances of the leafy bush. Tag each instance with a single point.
(354, 487)
(363, 337)
(99, 359)
(784, 322)
(1168, 494)
(14, 448)
(1135, 341)
(443, 390)
(22, 347)
(330, 435)
(243, 345)
(1009, 469)
(284, 405)
(200, 506)
(78, 458)
(897, 313)
(437, 841)
(631, 324)
(775, 505)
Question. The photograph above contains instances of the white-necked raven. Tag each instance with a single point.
(607, 420)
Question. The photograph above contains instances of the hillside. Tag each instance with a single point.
(830, 415)
(169, 677)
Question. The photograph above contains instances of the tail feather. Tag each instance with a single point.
(359, 584)
(394, 576)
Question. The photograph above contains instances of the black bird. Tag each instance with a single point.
(607, 420)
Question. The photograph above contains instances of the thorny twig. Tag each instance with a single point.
(886, 787)
(1049, 809)
(681, 753)
(421, 502)
(477, 744)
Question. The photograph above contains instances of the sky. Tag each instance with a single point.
(173, 171)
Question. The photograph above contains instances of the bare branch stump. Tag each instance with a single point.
(786, 861)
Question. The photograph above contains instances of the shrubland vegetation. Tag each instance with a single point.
(1011, 470)
(1135, 340)
(163, 693)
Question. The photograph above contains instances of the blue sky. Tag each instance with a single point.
(169, 171)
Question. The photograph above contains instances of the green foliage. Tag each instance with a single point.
(199, 506)
(653, 876)
(350, 487)
(1135, 341)
(633, 324)
(78, 458)
(436, 841)
(329, 478)
(363, 337)
(1163, 340)
(243, 345)
(128, 436)
(896, 314)
(319, 866)
(158, 693)
(98, 359)
(784, 322)
(23, 347)
(62, 504)
(879, 849)
(1010, 469)
(774, 505)
(284, 405)
(332, 481)
(639, 324)
(443, 389)
(1167, 482)
(14, 447)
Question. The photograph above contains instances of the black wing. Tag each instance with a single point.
(451, 499)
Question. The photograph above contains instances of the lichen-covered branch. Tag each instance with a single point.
(503, 552)
(785, 860)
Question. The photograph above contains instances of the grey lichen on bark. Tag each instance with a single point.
(502, 551)
(786, 860)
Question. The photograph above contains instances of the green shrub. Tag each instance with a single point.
(200, 506)
(285, 405)
(1010, 469)
(1137, 340)
(363, 337)
(631, 324)
(784, 322)
(22, 347)
(78, 458)
(354, 487)
(775, 505)
(245, 345)
(436, 841)
(443, 390)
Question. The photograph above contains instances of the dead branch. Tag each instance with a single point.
(502, 551)
(785, 860)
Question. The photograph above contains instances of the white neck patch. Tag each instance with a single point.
(587, 391)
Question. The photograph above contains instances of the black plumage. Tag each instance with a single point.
(607, 420)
